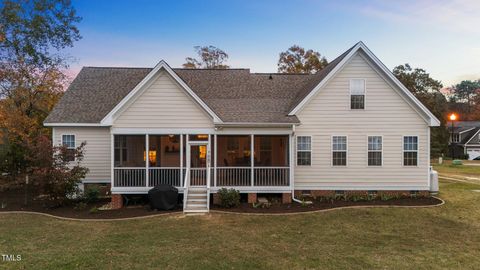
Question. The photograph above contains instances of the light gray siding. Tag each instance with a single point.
(97, 149)
(164, 104)
(386, 113)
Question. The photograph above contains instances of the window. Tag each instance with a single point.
(339, 150)
(410, 151)
(456, 138)
(357, 94)
(69, 142)
(375, 150)
(304, 150)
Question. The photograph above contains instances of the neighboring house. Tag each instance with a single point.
(350, 127)
(465, 139)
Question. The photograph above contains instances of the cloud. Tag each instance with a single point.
(456, 16)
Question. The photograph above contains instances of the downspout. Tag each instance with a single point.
(291, 162)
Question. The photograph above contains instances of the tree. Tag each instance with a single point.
(297, 60)
(210, 57)
(32, 34)
(417, 80)
(427, 90)
(468, 92)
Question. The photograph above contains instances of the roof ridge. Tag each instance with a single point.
(105, 67)
(279, 73)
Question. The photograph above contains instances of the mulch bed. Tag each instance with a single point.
(317, 205)
(14, 200)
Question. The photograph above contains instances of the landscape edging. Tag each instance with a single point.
(228, 212)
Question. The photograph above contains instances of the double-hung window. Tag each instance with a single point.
(357, 94)
(69, 142)
(304, 150)
(410, 150)
(339, 150)
(375, 146)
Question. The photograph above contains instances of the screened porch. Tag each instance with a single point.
(215, 161)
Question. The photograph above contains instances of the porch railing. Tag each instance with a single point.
(129, 177)
(198, 176)
(271, 176)
(164, 175)
(225, 176)
(234, 176)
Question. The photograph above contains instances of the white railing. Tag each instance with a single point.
(234, 176)
(271, 176)
(164, 175)
(225, 176)
(198, 177)
(129, 177)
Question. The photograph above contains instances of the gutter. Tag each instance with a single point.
(253, 124)
(293, 182)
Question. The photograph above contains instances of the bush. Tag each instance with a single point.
(91, 194)
(229, 197)
(54, 173)
(93, 210)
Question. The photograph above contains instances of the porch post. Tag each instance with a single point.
(252, 159)
(147, 160)
(215, 151)
(112, 159)
(291, 159)
(181, 160)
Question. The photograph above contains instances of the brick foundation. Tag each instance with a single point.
(286, 198)
(252, 197)
(117, 201)
(392, 193)
(320, 193)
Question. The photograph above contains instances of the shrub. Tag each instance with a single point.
(93, 210)
(327, 198)
(54, 173)
(80, 206)
(91, 194)
(229, 197)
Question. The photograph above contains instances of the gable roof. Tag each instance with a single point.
(235, 95)
(229, 96)
(470, 135)
(342, 61)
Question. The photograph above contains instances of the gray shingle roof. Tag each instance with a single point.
(235, 95)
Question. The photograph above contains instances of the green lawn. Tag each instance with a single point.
(446, 237)
(462, 170)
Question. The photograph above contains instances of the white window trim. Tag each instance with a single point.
(74, 142)
(455, 136)
(381, 151)
(403, 151)
(364, 94)
(331, 152)
(311, 152)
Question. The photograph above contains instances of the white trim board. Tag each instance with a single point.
(162, 65)
(431, 121)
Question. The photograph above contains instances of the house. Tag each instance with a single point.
(465, 139)
(350, 127)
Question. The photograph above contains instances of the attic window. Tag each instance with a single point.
(357, 94)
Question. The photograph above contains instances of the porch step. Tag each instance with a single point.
(196, 200)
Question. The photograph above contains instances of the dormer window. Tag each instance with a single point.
(357, 94)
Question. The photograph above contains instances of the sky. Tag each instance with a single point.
(442, 37)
